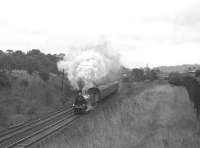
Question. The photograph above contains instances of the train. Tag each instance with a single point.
(89, 99)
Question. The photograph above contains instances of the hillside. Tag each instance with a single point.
(141, 115)
(28, 96)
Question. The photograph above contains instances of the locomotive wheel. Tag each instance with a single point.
(77, 111)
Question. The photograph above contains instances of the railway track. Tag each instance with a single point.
(18, 127)
(32, 132)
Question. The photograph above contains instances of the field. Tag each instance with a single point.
(141, 115)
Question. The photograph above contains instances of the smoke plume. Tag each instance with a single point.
(91, 65)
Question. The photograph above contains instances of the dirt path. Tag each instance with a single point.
(165, 119)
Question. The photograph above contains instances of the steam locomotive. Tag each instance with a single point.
(86, 101)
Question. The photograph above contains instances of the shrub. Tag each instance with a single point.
(48, 100)
(24, 83)
(44, 76)
(175, 78)
(138, 74)
(30, 71)
(3, 117)
(197, 73)
(153, 75)
(4, 80)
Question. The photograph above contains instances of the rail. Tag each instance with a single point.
(32, 132)
(15, 128)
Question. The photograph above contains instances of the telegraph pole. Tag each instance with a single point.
(62, 83)
(62, 87)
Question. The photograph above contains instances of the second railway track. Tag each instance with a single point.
(18, 127)
(31, 133)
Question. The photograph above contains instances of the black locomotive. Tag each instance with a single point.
(87, 101)
(80, 104)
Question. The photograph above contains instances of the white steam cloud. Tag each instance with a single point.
(91, 65)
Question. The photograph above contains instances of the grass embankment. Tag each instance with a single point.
(28, 97)
(146, 115)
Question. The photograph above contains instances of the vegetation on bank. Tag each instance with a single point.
(192, 86)
(30, 86)
(32, 61)
(25, 97)
(139, 74)
(141, 115)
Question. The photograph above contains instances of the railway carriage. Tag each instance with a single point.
(94, 95)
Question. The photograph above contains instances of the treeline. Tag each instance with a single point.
(139, 74)
(33, 60)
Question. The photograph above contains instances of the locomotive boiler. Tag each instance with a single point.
(88, 99)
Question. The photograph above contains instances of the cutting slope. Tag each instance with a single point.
(141, 115)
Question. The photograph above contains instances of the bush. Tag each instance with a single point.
(48, 99)
(30, 71)
(3, 116)
(197, 73)
(4, 80)
(24, 83)
(175, 78)
(153, 75)
(138, 74)
(44, 76)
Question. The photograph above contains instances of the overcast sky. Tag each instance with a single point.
(154, 32)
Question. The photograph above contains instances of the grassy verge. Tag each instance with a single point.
(144, 115)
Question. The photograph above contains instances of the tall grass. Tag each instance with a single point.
(152, 116)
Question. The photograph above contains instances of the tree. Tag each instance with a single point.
(54, 58)
(138, 74)
(189, 69)
(19, 53)
(31, 65)
(174, 78)
(4, 80)
(9, 51)
(44, 76)
(34, 52)
(197, 73)
(153, 75)
(34, 60)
